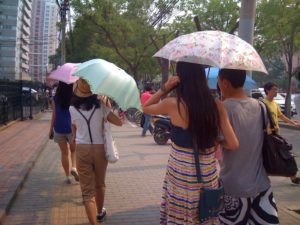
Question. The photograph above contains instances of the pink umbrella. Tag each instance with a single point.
(64, 73)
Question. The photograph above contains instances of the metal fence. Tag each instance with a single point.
(21, 100)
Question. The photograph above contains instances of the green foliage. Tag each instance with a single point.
(119, 31)
(213, 15)
(278, 28)
(276, 70)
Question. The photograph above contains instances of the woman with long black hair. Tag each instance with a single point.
(60, 128)
(196, 117)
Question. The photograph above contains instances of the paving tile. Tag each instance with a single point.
(133, 187)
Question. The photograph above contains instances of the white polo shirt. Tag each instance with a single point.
(96, 124)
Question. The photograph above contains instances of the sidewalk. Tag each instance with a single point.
(133, 184)
(20, 145)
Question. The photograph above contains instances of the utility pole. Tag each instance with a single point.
(247, 19)
(246, 22)
(64, 6)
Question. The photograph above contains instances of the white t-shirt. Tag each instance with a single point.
(96, 124)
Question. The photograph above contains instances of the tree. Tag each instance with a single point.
(120, 31)
(278, 31)
(213, 15)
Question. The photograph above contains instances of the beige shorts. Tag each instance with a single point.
(62, 138)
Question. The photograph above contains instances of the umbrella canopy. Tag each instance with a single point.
(106, 78)
(212, 75)
(64, 73)
(213, 48)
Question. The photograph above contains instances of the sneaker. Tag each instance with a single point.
(296, 181)
(74, 173)
(68, 180)
(100, 216)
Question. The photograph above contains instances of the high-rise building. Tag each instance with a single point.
(14, 39)
(43, 39)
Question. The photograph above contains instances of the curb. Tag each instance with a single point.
(22, 178)
(4, 126)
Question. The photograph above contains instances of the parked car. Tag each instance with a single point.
(279, 99)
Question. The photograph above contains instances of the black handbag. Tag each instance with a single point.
(277, 157)
(211, 200)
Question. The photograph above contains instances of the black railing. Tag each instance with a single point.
(21, 100)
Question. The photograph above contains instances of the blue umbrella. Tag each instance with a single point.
(213, 79)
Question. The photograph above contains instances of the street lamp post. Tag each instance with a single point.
(247, 19)
(64, 6)
(246, 22)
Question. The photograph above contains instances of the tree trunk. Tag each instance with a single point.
(287, 105)
(164, 66)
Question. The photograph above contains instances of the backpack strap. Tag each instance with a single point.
(270, 119)
(88, 121)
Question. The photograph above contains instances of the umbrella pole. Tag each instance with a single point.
(208, 74)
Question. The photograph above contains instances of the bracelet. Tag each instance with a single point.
(163, 88)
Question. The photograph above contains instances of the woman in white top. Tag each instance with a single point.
(87, 114)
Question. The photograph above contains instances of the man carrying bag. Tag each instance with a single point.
(248, 194)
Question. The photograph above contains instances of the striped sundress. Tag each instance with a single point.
(181, 191)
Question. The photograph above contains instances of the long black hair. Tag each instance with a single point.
(194, 93)
(64, 94)
(85, 103)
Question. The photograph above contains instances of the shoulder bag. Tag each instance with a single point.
(211, 200)
(277, 157)
(111, 151)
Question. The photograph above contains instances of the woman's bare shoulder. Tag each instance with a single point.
(169, 103)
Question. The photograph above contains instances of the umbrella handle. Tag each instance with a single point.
(208, 74)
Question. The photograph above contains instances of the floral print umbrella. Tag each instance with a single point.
(213, 48)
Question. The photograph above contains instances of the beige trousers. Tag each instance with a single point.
(91, 166)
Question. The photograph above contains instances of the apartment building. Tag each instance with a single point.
(15, 18)
(43, 40)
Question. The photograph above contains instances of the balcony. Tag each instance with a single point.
(25, 66)
(28, 3)
(25, 29)
(25, 38)
(25, 56)
(25, 48)
(26, 20)
(27, 12)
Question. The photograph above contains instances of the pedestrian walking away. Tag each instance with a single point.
(271, 90)
(88, 114)
(147, 117)
(248, 194)
(61, 131)
(196, 117)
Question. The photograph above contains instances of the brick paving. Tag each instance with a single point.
(133, 186)
(20, 144)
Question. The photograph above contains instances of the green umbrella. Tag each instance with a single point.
(106, 78)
